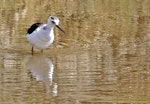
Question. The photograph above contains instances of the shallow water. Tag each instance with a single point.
(102, 59)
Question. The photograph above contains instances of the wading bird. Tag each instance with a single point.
(41, 35)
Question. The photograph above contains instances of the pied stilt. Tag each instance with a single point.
(41, 35)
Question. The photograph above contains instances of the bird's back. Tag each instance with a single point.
(34, 27)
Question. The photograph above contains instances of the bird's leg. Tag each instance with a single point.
(41, 50)
(32, 50)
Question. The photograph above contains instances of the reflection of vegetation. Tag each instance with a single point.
(85, 21)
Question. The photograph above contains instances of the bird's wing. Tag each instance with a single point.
(34, 27)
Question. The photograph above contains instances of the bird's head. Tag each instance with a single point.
(54, 21)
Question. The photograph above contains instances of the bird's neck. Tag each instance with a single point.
(50, 25)
(51, 28)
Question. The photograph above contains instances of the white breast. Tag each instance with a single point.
(41, 38)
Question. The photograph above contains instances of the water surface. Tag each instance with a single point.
(102, 59)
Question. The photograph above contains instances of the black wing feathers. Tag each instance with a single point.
(33, 27)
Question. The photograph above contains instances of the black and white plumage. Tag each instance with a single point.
(41, 35)
(33, 27)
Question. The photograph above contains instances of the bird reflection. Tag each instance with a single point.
(41, 68)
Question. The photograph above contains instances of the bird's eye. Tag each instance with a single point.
(52, 18)
(53, 22)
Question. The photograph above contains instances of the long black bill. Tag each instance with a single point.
(60, 29)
